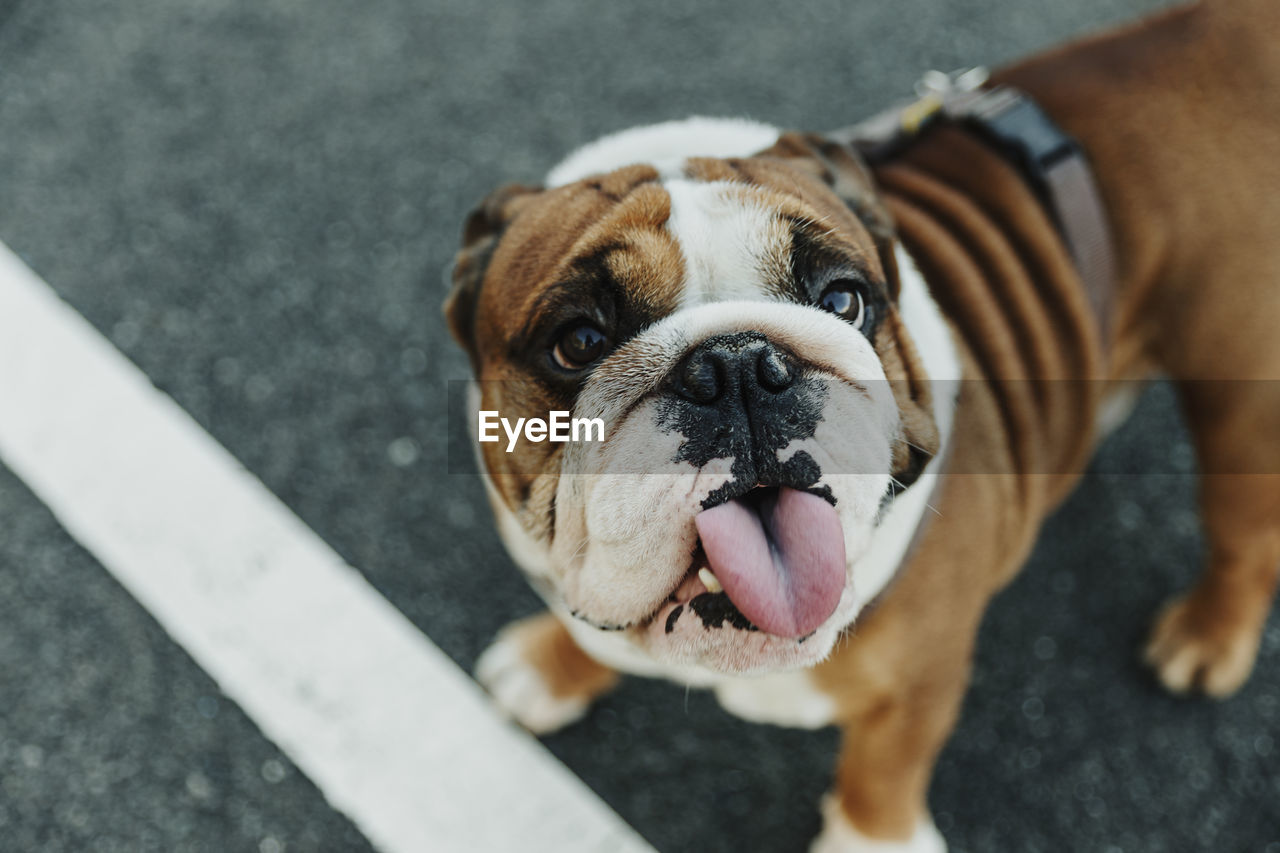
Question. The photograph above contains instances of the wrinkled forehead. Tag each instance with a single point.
(670, 233)
(609, 228)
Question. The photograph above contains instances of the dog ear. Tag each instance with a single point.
(842, 168)
(480, 235)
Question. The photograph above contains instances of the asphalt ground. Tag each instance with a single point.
(255, 202)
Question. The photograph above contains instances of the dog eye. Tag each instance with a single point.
(579, 346)
(844, 299)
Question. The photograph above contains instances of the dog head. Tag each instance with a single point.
(728, 302)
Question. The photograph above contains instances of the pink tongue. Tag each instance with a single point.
(780, 559)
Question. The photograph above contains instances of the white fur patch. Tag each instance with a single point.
(840, 836)
(929, 330)
(519, 689)
(782, 699)
(1116, 408)
(725, 240)
(665, 146)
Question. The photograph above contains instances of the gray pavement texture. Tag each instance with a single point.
(111, 739)
(255, 201)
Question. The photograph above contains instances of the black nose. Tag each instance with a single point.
(746, 362)
(743, 398)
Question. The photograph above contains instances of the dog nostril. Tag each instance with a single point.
(774, 371)
(700, 379)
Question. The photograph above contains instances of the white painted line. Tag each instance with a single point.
(393, 733)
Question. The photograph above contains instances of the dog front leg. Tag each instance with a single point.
(882, 778)
(897, 703)
(1208, 639)
(539, 676)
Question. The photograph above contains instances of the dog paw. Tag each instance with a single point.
(840, 836)
(520, 690)
(1195, 645)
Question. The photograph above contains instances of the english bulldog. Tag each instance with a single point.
(838, 401)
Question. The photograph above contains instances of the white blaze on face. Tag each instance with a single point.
(730, 242)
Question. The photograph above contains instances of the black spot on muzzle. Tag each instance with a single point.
(741, 396)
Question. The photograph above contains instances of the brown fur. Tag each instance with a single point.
(501, 287)
(1185, 152)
